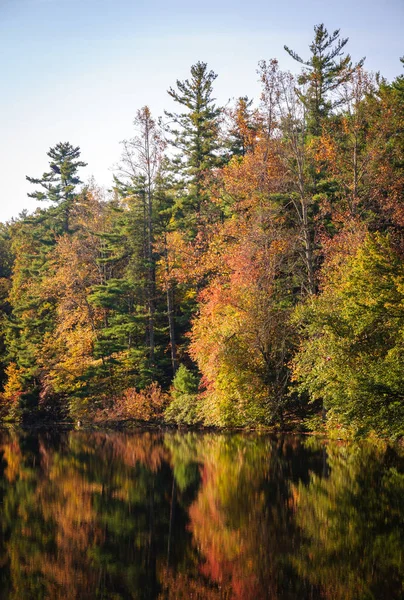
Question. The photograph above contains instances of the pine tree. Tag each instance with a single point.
(120, 348)
(138, 170)
(60, 183)
(323, 73)
(33, 312)
(165, 201)
(6, 265)
(194, 133)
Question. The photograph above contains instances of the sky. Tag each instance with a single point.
(78, 70)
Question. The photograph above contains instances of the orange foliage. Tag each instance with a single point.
(250, 180)
(144, 405)
(180, 586)
(237, 334)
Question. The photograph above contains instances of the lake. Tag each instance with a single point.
(206, 516)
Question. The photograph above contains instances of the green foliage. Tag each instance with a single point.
(184, 409)
(195, 136)
(59, 184)
(352, 348)
(323, 73)
(352, 524)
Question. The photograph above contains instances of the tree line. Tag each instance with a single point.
(246, 267)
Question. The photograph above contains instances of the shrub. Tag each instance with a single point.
(145, 405)
(184, 408)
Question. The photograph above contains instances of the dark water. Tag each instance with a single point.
(111, 515)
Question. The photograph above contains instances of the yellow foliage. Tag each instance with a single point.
(13, 387)
(144, 405)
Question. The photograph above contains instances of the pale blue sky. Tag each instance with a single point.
(77, 70)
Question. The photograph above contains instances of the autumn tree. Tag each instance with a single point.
(352, 339)
(286, 125)
(243, 128)
(68, 355)
(344, 149)
(32, 312)
(241, 337)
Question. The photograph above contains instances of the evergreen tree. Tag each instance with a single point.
(121, 345)
(194, 134)
(398, 83)
(185, 406)
(60, 183)
(323, 73)
(33, 312)
(164, 219)
(138, 170)
(6, 265)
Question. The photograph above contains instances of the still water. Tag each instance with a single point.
(186, 515)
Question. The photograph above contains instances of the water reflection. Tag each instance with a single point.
(111, 516)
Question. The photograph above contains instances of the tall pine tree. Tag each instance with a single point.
(194, 134)
(59, 184)
(323, 73)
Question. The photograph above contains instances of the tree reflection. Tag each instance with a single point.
(210, 516)
(242, 519)
(353, 525)
(85, 518)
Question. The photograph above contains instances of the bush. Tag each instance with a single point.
(184, 408)
(144, 405)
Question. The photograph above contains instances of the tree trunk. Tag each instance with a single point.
(170, 312)
(308, 250)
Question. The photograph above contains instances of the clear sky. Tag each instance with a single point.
(77, 70)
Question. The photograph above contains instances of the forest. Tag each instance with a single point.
(244, 270)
